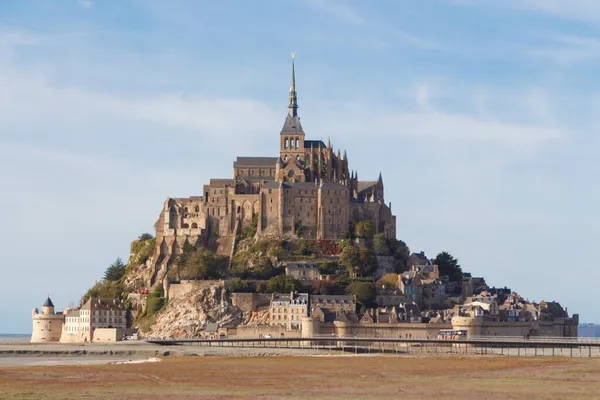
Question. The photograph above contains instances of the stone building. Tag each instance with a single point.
(303, 271)
(47, 326)
(96, 313)
(308, 191)
(288, 310)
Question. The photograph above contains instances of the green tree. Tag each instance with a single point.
(282, 284)
(364, 229)
(267, 271)
(367, 262)
(350, 259)
(200, 264)
(328, 268)
(380, 244)
(400, 251)
(238, 285)
(363, 291)
(145, 236)
(115, 271)
(448, 265)
(388, 280)
(104, 289)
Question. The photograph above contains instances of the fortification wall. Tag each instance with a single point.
(255, 331)
(249, 302)
(181, 288)
(47, 328)
(400, 330)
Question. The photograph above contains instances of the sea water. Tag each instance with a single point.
(6, 338)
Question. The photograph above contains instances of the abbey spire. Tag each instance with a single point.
(292, 121)
(293, 106)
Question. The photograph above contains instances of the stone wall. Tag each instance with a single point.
(249, 302)
(255, 331)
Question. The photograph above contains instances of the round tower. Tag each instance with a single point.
(47, 325)
(48, 307)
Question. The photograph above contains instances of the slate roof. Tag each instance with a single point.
(48, 303)
(103, 304)
(292, 125)
(362, 185)
(315, 144)
(255, 162)
(329, 298)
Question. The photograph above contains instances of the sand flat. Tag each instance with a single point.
(312, 378)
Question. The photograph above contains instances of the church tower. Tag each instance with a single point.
(291, 147)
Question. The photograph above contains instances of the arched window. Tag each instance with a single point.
(185, 226)
(285, 143)
(297, 142)
(197, 208)
(195, 225)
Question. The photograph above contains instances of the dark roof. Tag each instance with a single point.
(301, 265)
(303, 185)
(315, 144)
(221, 182)
(292, 125)
(325, 298)
(362, 185)
(48, 303)
(255, 162)
(99, 303)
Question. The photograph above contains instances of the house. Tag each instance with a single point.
(345, 303)
(410, 284)
(389, 297)
(417, 259)
(303, 271)
(287, 310)
(434, 292)
(96, 313)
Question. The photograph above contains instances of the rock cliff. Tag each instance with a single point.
(186, 316)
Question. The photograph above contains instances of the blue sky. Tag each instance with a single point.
(482, 118)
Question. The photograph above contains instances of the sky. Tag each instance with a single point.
(482, 117)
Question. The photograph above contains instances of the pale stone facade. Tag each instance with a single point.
(47, 326)
(308, 191)
(288, 310)
(301, 271)
(94, 314)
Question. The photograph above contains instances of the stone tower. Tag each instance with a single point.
(291, 140)
(47, 326)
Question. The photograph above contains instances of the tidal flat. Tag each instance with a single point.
(311, 378)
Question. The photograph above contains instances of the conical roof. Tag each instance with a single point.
(48, 303)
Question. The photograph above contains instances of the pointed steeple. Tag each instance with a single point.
(293, 106)
(292, 121)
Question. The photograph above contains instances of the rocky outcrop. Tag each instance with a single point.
(186, 316)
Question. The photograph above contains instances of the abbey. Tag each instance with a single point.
(307, 191)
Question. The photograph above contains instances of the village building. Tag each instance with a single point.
(303, 271)
(288, 310)
(89, 322)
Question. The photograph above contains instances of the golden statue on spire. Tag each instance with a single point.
(293, 55)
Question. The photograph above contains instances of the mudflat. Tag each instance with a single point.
(320, 377)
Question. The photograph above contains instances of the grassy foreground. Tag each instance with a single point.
(312, 378)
